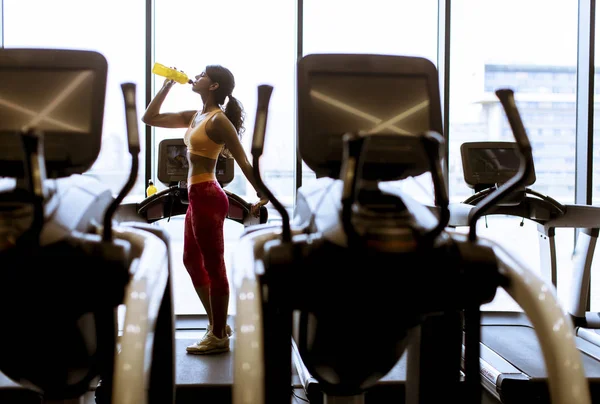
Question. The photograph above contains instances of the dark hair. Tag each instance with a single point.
(234, 110)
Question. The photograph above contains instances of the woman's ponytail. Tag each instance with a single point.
(234, 110)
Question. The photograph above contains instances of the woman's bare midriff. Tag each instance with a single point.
(201, 169)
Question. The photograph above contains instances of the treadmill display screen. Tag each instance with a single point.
(54, 101)
(370, 103)
(396, 107)
(503, 163)
(489, 163)
(177, 162)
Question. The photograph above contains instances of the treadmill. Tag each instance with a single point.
(512, 366)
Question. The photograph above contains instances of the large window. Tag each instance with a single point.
(256, 41)
(402, 27)
(492, 45)
(119, 36)
(535, 55)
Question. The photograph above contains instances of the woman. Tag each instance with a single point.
(211, 131)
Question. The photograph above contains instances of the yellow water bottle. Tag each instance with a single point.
(151, 190)
(172, 74)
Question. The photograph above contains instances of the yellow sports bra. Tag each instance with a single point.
(198, 142)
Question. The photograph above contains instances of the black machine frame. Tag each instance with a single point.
(296, 256)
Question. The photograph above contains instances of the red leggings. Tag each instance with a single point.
(203, 245)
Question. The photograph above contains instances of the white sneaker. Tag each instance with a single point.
(209, 344)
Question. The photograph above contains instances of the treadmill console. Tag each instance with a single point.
(173, 164)
(486, 164)
(395, 97)
(59, 93)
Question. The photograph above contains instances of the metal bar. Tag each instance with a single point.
(148, 143)
(584, 140)
(1, 23)
(299, 54)
(443, 65)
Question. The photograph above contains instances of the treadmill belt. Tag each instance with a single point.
(202, 378)
(202, 370)
(518, 344)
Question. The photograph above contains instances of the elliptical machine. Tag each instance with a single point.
(65, 267)
(361, 249)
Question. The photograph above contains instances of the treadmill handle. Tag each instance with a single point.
(554, 329)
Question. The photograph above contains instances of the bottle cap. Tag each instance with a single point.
(150, 182)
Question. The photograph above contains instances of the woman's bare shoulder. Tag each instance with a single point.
(221, 122)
